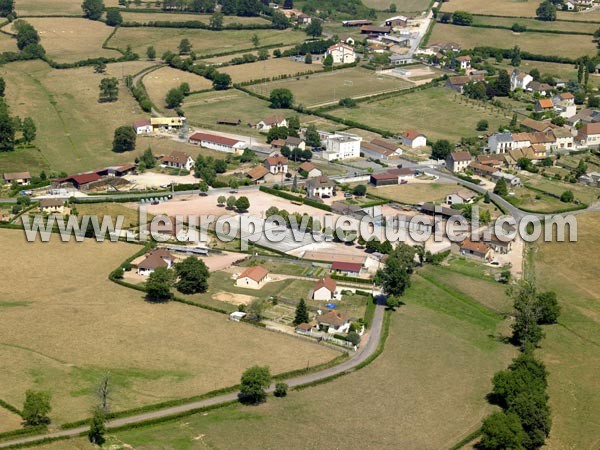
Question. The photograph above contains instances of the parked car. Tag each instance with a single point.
(399, 166)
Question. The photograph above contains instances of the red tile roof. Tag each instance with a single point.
(276, 159)
(326, 282)
(346, 266)
(546, 103)
(477, 247)
(412, 134)
(213, 138)
(256, 273)
(176, 157)
(333, 318)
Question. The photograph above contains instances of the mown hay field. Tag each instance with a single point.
(266, 69)
(566, 45)
(414, 193)
(71, 39)
(401, 5)
(69, 325)
(140, 17)
(204, 42)
(323, 88)
(438, 112)
(74, 130)
(159, 82)
(53, 7)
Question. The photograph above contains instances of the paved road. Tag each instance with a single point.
(360, 356)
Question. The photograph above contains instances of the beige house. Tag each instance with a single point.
(458, 161)
(273, 121)
(178, 160)
(334, 322)
(52, 206)
(19, 178)
(476, 250)
(320, 187)
(325, 289)
(253, 278)
(342, 53)
(277, 164)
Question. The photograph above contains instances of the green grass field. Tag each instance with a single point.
(204, 42)
(415, 192)
(571, 349)
(322, 88)
(143, 18)
(427, 389)
(160, 81)
(74, 131)
(583, 193)
(494, 7)
(401, 5)
(269, 68)
(64, 328)
(537, 24)
(570, 46)
(438, 112)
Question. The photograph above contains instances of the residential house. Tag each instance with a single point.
(500, 142)
(219, 143)
(502, 246)
(277, 164)
(341, 53)
(458, 161)
(325, 289)
(481, 169)
(308, 170)
(511, 180)
(589, 135)
(19, 178)
(543, 105)
(346, 268)
(493, 160)
(177, 160)
(461, 197)
(320, 187)
(155, 259)
(334, 322)
(143, 126)
(477, 250)
(463, 62)
(397, 22)
(539, 88)
(342, 146)
(381, 149)
(546, 140)
(519, 80)
(564, 97)
(536, 125)
(257, 174)
(414, 139)
(304, 19)
(253, 277)
(272, 121)
(293, 142)
(564, 138)
(458, 83)
(52, 206)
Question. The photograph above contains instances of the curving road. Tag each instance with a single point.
(347, 366)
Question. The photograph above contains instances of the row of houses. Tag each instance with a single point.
(558, 138)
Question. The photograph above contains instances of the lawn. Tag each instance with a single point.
(414, 193)
(494, 7)
(583, 193)
(130, 216)
(70, 39)
(571, 349)
(71, 326)
(301, 268)
(567, 45)
(7, 43)
(204, 42)
(144, 18)
(538, 202)
(401, 5)
(9, 420)
(160, 81)
(427, 389)
(537, 24)
(323, 88)
(74, 131)
(269, 68)
(53, 7)
(438, 112)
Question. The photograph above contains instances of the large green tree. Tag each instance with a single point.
(192, 275)
(281, 98)
(222, 81)
(124, 139)
(174, 98)
(29, 130)
(441, 149)
(92, 9)
(502, 431)
(394, 277)
(109, 90)
(546, 11)
(113, 17)
(36, 408)
(97, 428)
(7, 132)
(254, 381)
(7, 7)
(158, 284)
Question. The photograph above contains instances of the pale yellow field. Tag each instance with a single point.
(68, 324)
(7, 43)
(175, 17)
(9, 421)
(495, 7)
(269, 68)
(159, 82)
(71, 39)
(53, 7)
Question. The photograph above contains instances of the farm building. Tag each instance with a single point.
(168, 123)
(414, 139)
(82, 181)
(346, 268)
(20, 178)
(253, 277)
(216, 142)
(397, 22)
(177, 160)
(374, 30)
(143, 126)
(117, 171)
(392, 177)
(325, 289)
(232, 122)
(476, 250)
(356, 23)
(458, 83)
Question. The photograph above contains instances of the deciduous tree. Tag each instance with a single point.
(36, 408)
(192, 276)
(158, 285)
(124, 139)
(92, 9)
(254, 381)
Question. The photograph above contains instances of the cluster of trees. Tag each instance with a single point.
(338, 8)
(297, 154)
(189, 276)
(499, 87)
(9, 126)
(394, 277)
(546, 11)
(533, 309)
(113, 17)
(124, 139)
(7, 9)
(109, 90)
(175, 96)
(221, 81)
(281, 98)
(295, 219)
(93, 9)
(146, 161)
(375, 245)
(208, 167)
(28, 40)
(240, 204)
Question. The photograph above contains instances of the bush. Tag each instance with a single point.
(280, 390)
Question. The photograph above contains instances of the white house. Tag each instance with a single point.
(511, 180)
(309, 170)
(506, 141)
(320, 187)
(155, 259)
(142, 126)
(463, 62)
(178, 160)
(273, 121)
(520, 80)
(277, 164)
(564, 138)
(342, 146)
(458, 161)
(334, 322)
(325, 289)
(589, 135)
(253, 277)
(216, 142)
(414, 139)
(461, 197)
(341, 53)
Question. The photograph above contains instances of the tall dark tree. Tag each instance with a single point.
(281, 98)
(516, 58)
(2, 87)
(394, 277)
(109, 90)
(441, 149)
(192, 276)
(301, 313)
(222, 81)
(124, 139)
(253, 384)
(7, 7)
(502, 431)
(113, 17)
(29, 130)
(501, 189)
(546, 11)
(311, 136)
(314, 29)
(174, 98)
(502, 84)
(158, 284)
(7, 132)
(26, 34)
(97, 427)
(185, 46)
(151, 53)
(92, 9)
(216, 20)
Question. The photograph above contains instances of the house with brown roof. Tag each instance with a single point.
(52, 206)
(461, 197)
(277, 164)
(539, 88)
(458, 161)
(308, 170)
(381, 149)
(154, 259)
(20, 178)
(375, 30)
(325, 289)
(177, 160)
(543, 105)
(341, 53)
(257, 174)
(463, 62)
(589, 135)
(481, 169)
(536, 125)
(414, 139)
(82, 181)
(458, 83)
(253, 277)
(272, 121)
(346, 268)
(333, 322)
(392, 177)
(478, 250)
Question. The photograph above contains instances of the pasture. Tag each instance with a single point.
(401, 5)
(160, 81)
(270, 68)
(71, 39)
(438, 112)
(75, 132)
(433, 376)
(414, 193)
(71, 325)
(515, 8)
(7, 43)
(204, 42)
(535, 201)
(324, 88)
(53, 7)
(583, 193)
(537, 24)
(571, 348)
(570, 46)
(144, 18)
